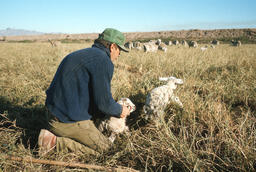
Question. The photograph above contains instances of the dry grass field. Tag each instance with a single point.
(215, 130)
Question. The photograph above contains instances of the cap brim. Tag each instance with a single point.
(123, 48)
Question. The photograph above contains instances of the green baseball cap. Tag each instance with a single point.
(114, 36)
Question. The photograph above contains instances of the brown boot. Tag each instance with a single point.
(46, 141)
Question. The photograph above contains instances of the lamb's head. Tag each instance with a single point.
(176, 100)
(127, 102)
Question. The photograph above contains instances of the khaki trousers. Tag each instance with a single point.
(79, 137)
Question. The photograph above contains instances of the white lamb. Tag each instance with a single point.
(150, 47)
(159, 97)
(114, 125)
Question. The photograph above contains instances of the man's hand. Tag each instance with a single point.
(125, 112)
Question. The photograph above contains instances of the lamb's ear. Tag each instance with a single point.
(172, 78)
(163, 78)
(179, 81)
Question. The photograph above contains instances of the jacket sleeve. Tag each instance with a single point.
(101, 89)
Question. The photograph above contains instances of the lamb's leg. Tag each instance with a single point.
(112, 137)
(127, 131)
(102, 126)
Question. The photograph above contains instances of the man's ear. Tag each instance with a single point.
(111, 47)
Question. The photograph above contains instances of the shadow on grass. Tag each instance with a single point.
(30, 119)
(136, 119)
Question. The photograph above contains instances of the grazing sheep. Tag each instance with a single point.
(159, 97)
(236, 43)
(162, 47)
(176, 42)
(193, 44)
(2, 38)
(150, 47)
(129, 45)
(215, 42)
(183, 42)
(137, 45)
(158, 41)
(114, 125)
(169, 43)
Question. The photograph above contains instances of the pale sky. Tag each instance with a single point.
(93, 16)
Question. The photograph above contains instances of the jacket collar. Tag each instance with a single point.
(102, 47)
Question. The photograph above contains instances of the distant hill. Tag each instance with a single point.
(246, 35)
(18, 32)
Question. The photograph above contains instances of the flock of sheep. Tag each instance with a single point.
(154, 45)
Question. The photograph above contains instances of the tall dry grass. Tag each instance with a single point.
(215, 131)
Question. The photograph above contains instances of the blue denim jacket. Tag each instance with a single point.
(81, 84)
